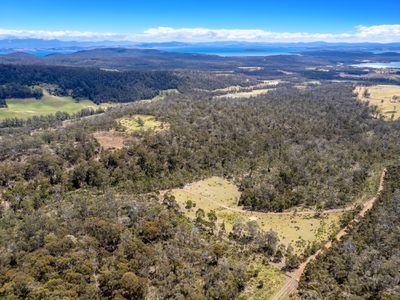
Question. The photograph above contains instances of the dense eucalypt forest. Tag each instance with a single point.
(12, 90)
(365, 264)
(89, 83)
(104, 85)
(285, 149)
(80, 221)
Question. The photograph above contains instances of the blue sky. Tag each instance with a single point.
(132, 19)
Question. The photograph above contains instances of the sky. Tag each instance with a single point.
(202, 21)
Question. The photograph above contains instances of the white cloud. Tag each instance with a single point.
(385, 30)
(377, 33)
(65, 35)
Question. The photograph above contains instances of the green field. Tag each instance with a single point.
(26, 108)
(161, 95)
(138, 123)
(222, 196)
(265, 281)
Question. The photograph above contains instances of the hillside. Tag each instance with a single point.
(366, 262)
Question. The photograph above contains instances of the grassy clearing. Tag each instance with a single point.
(264, 283)
(222, 196)
(137, 123)
(112, 140)
(307, 84)
(248, 94)
(26, 108)
(237, 91)
(294, 230)
(385, 97)
(161, 95)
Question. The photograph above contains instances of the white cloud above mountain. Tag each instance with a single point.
(376, 33)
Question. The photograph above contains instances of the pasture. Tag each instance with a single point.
(137, 123)
(47, 105)
(385, 97)
(220, 195)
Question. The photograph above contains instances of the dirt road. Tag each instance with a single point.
(295, 275)
(250, 212)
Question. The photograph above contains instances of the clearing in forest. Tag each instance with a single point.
(239, 88)
(220, 195)
(237, 91)
(110, 140)
(265, 281)
(137, 123)
(306, 84)
(47, 105)
(113, 139)
(248, 94)
(385, 97)
(161, 95)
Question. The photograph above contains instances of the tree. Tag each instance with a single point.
(133, 287)
(200, 214)
(140, 122)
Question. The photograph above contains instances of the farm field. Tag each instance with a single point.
(222, 196)
(385, 97)
(26, 108)
(138, 123)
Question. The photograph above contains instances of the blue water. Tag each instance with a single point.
(38, 52)
(48, 52)
(393, 64)
(232, 51)
(220, 51)
(3, 52)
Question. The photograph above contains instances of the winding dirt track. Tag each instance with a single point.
(293, 278)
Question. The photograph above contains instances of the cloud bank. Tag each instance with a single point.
(377, 33)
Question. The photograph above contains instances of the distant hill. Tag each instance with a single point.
(29, 44)
(52, 44)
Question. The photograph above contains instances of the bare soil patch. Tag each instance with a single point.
(110, 140)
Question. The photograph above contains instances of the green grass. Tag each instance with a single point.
(26, 108)
(264, 282)
(222, 196)
(138, 123)
(162, 94)
(247, 94)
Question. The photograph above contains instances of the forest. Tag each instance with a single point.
(93, 84)
(13, 90)
(81, 221)
(364, 265)
(276, 148)
(100, 85)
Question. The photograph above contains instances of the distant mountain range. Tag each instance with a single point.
(14, 45)
(154, 59)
